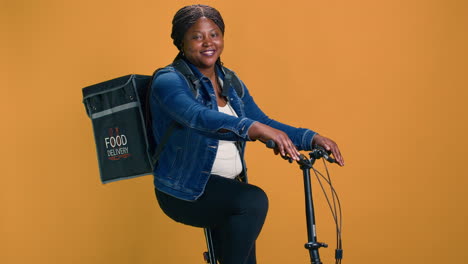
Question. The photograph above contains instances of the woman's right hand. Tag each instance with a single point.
(284, 145)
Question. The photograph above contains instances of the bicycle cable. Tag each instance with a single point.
(335, 209)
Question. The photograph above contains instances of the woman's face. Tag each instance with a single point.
(203, 43)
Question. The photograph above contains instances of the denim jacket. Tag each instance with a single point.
(185, 163)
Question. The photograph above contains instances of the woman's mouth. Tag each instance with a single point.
(208, 52)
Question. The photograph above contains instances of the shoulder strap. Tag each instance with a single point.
(230, 78)
(163, 142)
(181, 66)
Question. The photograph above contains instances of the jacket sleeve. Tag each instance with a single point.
(301, 137)
(171, 91)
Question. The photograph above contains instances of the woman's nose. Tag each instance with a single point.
(207, 42)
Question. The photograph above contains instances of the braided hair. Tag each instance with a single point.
(186, 17)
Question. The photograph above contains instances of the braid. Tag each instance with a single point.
(186, 17)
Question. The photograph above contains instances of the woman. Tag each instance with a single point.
(196, 175)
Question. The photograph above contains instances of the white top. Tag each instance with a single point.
(227, 162)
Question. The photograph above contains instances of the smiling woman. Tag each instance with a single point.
(201, 177)
(203, 44)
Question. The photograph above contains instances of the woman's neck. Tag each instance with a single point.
(210, 72)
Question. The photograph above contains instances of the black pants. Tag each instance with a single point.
(234, 211)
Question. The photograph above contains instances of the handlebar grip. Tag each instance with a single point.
(271, 144)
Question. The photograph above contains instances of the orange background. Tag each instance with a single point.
(386, 79)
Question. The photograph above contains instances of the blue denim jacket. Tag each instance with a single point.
(185, 163)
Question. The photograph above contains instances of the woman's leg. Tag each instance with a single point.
(235, 212)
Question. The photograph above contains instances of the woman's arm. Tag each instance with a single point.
(287, 138)
(170, 90)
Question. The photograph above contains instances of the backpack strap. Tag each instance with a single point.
(163, 142)
(181, 66)
(149, 127)
(231, 79)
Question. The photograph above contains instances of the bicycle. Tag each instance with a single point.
(306, 164)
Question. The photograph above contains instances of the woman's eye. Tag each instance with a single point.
(198, 37)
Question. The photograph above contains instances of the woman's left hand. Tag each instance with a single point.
(329, 145)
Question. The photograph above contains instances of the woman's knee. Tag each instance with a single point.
(256, 201)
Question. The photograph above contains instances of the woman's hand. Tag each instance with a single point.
(329, 145)
(284, 145)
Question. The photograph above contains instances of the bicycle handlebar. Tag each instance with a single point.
(317, 153)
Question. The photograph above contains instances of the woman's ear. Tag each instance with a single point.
(182, 48)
